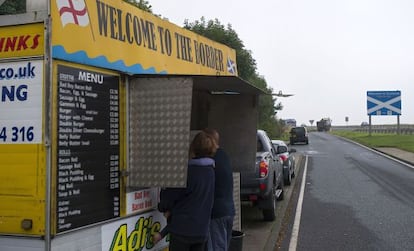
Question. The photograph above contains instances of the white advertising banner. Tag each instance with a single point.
(134, 233)
(142, 200)
(21, 102)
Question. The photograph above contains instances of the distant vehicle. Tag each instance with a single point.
(290, 122)
(364, 124)
(288, 160)
(323, 125)
(262, 185)
(299, 134)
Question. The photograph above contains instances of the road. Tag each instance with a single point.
(353, 199)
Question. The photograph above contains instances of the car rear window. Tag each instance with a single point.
(298, 130)
(259, 146)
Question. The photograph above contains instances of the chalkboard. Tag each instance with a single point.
(88, 147)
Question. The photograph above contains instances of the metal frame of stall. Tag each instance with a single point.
(152, 116)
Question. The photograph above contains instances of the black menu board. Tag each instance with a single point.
(88, 147)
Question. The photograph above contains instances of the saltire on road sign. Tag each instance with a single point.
(384, 102)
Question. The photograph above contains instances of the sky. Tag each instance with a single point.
(328, 53)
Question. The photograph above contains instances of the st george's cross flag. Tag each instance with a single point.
(73, 12)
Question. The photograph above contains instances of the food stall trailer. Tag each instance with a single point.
(99, 101)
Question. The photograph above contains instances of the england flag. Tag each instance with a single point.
(73, 12)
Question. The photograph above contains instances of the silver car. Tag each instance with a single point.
(288, 159)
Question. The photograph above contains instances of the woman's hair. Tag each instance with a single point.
(203, 145)
(213, 133)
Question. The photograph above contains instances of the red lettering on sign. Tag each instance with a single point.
(146, 194)
(138, 195)
(19, 43)
(137, 206)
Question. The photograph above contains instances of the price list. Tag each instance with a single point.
(88, 155)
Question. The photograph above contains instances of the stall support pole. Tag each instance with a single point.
(48, 131)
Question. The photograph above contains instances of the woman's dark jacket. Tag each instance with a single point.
(191, 207)
(223, 195)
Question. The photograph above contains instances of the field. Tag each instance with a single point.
(402, 141)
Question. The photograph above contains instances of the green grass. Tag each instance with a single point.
(402, 141)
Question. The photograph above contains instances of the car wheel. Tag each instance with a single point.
(269, 214)
(288, 178)
(282, 194)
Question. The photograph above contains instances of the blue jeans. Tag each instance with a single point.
(220, 233)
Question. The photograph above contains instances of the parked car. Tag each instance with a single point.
(262, 185)
(299, 135)
(288, 159)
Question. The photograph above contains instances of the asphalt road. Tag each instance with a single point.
(353, 199)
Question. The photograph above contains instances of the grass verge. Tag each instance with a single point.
(402, 141)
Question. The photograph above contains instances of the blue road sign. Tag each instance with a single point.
(384, 102)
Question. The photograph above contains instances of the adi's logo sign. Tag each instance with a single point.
(139, 239)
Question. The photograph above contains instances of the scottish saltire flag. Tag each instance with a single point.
(73, 12)
(231, 66)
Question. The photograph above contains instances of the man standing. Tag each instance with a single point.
(223, 212)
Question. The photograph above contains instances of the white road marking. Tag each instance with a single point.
(295, 230)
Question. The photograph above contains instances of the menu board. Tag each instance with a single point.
(88, 147)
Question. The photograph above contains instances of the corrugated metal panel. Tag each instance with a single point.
(159, 131)
(236, 198)
(22, 188)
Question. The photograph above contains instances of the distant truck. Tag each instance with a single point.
(290, 122)
(324, 125)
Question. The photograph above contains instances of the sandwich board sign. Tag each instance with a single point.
(384, 103)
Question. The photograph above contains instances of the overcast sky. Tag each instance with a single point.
(328, 53)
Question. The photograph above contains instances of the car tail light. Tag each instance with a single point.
(283, 157)
(262, 187)
(263, 169)
(253, 197)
